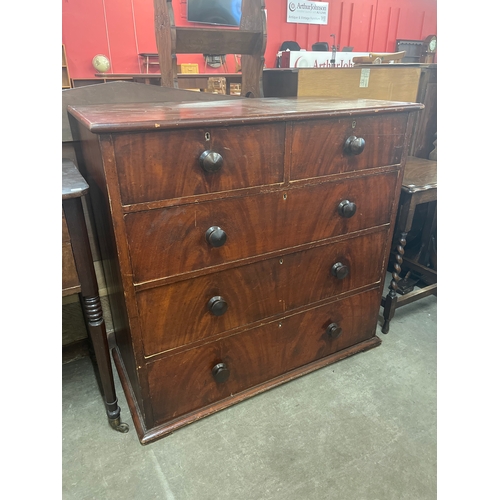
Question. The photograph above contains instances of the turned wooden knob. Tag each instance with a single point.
(220, 372)
(333, 330)
(339, 270)
(215, 236)
(211, 161)
(217, 305)
(347, 208)
(354, 145)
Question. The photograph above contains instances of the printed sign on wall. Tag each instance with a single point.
(307, 12)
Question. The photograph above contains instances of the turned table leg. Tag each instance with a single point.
(92, 309)
(392, 298)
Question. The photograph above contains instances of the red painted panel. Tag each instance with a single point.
(144, 15)
(84, 34)
(122, 28)
(366, 25)
(360, 30)
(405, 19)
(122, 37)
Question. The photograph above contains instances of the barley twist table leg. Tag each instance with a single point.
(392, 298)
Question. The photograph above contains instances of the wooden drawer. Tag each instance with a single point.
(177, 314)
(164, 165)
(318, 146)
(172, 240)
(184, 382)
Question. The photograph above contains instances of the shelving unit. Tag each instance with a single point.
(66, 80)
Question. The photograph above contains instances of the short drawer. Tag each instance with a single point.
(164, 165)
(184, 382)
(191, 310)
(319, 147)
(171, 241)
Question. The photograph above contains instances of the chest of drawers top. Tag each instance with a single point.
(107, 118)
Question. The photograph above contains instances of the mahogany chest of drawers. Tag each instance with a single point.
(244, 242)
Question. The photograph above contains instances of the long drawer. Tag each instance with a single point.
(171, 241)
(187, 381)
(164, 165)
(319, 147)
(191, 310)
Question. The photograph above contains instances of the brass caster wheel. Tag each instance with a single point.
(118, 425)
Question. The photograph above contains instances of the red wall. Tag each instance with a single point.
(121, 29)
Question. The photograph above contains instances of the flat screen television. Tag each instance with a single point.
(220, 12)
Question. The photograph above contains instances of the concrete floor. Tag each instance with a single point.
(362, 428)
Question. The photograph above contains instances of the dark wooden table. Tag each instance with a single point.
(419, 187)
(74, 188)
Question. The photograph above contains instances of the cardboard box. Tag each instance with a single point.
(187, 68)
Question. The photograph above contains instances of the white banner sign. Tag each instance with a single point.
(307, 12)
(311, 59)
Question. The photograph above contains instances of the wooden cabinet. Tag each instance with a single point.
(244, 242)
(66, 80)
(391, 82)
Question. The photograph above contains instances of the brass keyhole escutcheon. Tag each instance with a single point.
(354, 124)
(207, 136)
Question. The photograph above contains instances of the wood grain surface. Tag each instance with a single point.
(177, 314)
(170, 165)
(184, 382)
(255, 225)
(318, 146)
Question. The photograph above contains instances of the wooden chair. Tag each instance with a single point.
(249, 41)
(420, 268)
(320, 47)
(379, 58)
(413, 260)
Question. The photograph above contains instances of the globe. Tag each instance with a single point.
(101, 63)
